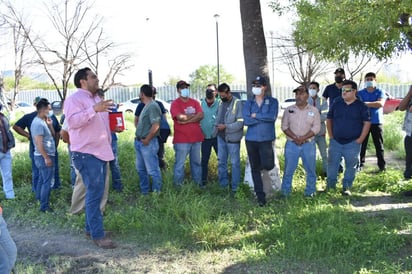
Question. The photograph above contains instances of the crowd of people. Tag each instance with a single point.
(343, 112)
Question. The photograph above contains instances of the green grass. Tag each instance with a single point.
(294, 235)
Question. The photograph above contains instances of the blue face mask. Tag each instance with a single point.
(370, 84)
(185, 92)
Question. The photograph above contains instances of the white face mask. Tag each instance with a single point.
(256, 91)
(313, 92)
(50, 114)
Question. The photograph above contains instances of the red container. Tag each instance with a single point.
(116, 120)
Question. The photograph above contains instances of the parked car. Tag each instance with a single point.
(130, 105)
(240, 94)
(391, 103)
(24, 107)
(288, 102)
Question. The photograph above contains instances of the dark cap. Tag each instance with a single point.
(182, 83)
(36, 100)
(340, 70)
(300, 88)
(260, 80)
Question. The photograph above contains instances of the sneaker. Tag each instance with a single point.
(105, 243)
(262, 203)
(346, 192)
(310, 196)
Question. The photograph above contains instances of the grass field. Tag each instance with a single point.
(369, 232)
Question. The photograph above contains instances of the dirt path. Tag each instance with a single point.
(67, 252)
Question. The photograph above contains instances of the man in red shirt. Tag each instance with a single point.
(186, 113)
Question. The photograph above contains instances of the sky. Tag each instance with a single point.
(174, 37)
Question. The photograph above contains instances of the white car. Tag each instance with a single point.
(24, 107)
(288, 102)
(130, 105)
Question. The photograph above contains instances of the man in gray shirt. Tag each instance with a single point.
(42, 133)
(146, 144)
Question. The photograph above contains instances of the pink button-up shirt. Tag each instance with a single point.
(89, 131)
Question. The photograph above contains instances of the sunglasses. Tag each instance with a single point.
(347, 89)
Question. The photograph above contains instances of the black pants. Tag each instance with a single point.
(408, 161)
(261, 157)
(161, 153)
(377, 137)
(207, 146)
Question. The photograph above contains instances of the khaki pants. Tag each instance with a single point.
(79, 193)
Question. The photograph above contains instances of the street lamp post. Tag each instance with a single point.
(216, 16)
(273, 59)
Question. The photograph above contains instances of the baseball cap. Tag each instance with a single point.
(260, 80)
(340, 70)
(36, 100)
(300, 88)
(182, 83)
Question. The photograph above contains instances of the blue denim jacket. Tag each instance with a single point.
(261, 128)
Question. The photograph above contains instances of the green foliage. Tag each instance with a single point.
(333, 31)
(207, 74)
(392, 128)
(27, 83)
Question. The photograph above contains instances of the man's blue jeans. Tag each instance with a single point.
(147, 164)
(350, 153)
(115, 169)
(181, 152)
(293, 152)
(93, 172)
(8, 249)
(6, 174)
(43, 186)
(207, 146)
(57, 182)
(225, 151)
(321, 143)
(72, 169)
(34, 170)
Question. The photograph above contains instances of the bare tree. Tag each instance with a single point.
(302, 64)
(254, 43)
(356, 65)
(97, 52)
(71, 25)
(20, 49)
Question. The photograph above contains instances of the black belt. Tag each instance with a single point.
(139, 138)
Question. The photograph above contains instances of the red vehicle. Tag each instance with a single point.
(391, 103)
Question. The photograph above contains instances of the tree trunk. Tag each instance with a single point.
(254, 43)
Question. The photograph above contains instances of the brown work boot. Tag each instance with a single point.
(107, 234)
(105, 243)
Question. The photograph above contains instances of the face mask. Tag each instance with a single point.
(256, 91)
(224, 99)
(185, 92)
(338, 79)
(370, 84)
(313, 92)
(50, 114)
(209, 94)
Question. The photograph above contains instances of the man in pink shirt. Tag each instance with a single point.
(90, 142)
